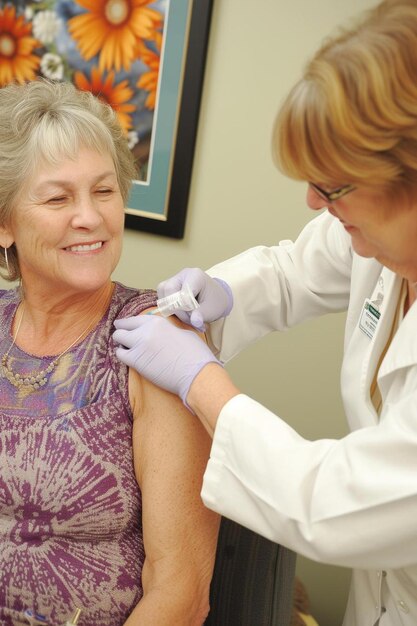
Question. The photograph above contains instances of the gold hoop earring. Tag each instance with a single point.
(6, 258)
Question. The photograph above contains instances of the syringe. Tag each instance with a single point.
(182, 300)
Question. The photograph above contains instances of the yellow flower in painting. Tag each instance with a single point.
(105, 89)
(111, 28)
(149, 80)
(17, 63)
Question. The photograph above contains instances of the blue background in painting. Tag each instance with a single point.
(148, 198)
(142, 118)
(151, 199)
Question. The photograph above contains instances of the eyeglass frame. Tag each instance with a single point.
(332, 196)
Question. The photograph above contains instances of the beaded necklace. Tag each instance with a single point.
(33, 381)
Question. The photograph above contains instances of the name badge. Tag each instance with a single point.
(369, 319)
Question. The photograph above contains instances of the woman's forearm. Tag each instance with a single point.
(171, 605)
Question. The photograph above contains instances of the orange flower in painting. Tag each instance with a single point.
(105, 89)
(17, 63)
(149, 80)
(111, 28)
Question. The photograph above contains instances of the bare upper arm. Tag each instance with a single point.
(171, 450)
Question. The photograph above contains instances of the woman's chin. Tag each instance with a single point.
(362, 248)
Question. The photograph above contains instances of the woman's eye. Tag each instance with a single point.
(104, 191)
(56, 200)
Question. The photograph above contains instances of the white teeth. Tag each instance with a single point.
(86, 248)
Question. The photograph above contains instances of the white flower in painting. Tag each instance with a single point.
(132, 139)
(52, 66)
(46, 26)
(28, 14)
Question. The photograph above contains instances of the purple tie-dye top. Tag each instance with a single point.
(70, 506)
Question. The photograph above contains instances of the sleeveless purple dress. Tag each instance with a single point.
(70, 506)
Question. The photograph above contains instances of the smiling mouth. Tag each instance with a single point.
(344, 224)
(85, 247)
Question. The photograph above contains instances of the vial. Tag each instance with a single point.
(182, 300)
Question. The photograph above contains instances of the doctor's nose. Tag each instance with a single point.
(314, 200)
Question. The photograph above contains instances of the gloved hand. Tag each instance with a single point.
(169, 356)
(213, 295)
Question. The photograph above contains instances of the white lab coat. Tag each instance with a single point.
(350, 502)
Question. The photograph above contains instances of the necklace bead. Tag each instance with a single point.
(34, 380)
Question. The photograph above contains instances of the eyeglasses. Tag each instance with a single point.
(332, 196)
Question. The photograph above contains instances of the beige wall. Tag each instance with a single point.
(238, 199)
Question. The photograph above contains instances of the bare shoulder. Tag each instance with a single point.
(177, 322)
(162, 422)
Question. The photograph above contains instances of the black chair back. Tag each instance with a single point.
(253, 580)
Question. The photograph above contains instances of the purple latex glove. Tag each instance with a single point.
(213, 295)
(169, 356)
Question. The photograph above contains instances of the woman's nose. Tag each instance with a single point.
(86, 214)
(314, 201)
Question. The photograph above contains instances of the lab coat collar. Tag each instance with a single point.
(403, 349)
(390, 285)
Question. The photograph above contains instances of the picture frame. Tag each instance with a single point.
(160, 205)
(146, 60)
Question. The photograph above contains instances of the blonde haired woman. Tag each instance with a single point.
(349, 129)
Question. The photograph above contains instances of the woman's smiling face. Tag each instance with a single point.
(68, 223)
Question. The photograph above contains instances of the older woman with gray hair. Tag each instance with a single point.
(87, 519)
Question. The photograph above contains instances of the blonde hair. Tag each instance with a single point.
(45, 121)
(352, 118)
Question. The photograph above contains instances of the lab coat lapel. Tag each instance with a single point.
(402, 352)
(363, 353)
(391, 287)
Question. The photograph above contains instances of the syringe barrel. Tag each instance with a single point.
(182, 300)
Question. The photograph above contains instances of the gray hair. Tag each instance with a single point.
(45, 121)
